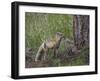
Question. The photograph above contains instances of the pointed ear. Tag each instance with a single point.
(59, 33)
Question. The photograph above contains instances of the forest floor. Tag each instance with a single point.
(70, 56)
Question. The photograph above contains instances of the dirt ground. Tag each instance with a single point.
(64, 58)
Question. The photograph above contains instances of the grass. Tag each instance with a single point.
(41, 26)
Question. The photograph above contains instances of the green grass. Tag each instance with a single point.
(41, 26)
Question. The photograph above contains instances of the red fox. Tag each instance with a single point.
(52, 43)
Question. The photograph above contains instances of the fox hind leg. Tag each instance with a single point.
(44, 56)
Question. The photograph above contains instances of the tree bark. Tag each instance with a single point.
(81, 30)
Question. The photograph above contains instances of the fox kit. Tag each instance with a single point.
(53, 43)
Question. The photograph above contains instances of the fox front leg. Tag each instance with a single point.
(55, 52)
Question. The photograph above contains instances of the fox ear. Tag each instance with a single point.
(58, 33)
(45, 45)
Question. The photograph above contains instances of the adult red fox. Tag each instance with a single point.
(52, 43)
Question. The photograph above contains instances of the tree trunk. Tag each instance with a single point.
(81, 30)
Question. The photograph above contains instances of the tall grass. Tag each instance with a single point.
(41, 26)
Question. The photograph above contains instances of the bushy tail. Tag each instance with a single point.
(39, 53)
(37, 56)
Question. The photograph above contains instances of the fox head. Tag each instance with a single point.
(59, 35)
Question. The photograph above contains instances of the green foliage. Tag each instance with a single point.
(41, 26)
(82, 58)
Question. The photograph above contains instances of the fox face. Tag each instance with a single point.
(51, 43)
(59, 35)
